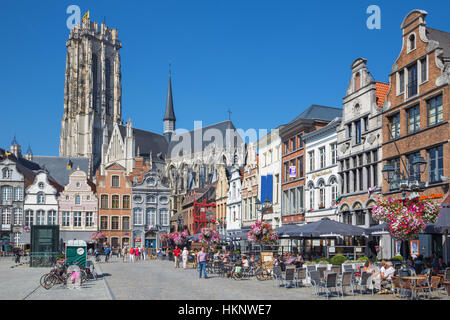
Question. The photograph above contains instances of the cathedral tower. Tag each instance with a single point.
(92, 91)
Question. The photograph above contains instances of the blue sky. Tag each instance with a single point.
(265, 60)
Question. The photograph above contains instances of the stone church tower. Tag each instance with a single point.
(92, 91)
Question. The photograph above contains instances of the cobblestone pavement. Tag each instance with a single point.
(22, 283)
(154, 279)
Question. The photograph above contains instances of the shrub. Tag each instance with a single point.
(338, 259)
(322, 260)
(363, 259)
(399, 258)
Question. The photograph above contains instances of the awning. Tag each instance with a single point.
(321, 227)
(76, 235)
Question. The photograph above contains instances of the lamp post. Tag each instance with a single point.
(262, 207)
(410, 183)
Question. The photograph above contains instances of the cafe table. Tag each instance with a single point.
(413, 283)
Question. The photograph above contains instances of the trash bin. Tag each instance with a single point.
(76, 253)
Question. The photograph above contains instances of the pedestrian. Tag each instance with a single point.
(176, 255)
(18, 256)
(184, 256)
(131, 254)
(144, 253)
(124, 253)
(136, 253)
(201, 261)
(107, 253)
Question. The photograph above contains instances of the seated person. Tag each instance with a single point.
(439, 265)
(386, 275)
(252, 259)
(277, 260)
(428, 270)
(368, 267)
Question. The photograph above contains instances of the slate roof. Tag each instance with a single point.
(440, 36)
(197, 147)
(318, 112)
(147, 141)
(57, 167)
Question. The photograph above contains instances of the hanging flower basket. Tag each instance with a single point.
(406, 218)
(263, 233)
(178, 238)
(98, 236)
(209, 235)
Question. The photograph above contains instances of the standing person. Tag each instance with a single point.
(176, 254)
(136, 253)
(124, 253)
(107, 253)
(144, 253)
(201, 261)
(184, 256)
(131, 254)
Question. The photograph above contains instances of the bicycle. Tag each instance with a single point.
(263, 273)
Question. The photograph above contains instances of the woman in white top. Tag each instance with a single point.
(184, 256)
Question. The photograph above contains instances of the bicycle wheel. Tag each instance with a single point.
(42, 280)
(50, 281)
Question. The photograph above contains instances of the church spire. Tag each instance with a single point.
(169, 117)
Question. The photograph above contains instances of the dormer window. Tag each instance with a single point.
(40, 198)
(6, 173)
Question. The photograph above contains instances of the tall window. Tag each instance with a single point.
(300, 198)
(311, 161)
(115, 223)
(7, 195)
(401, 78)
(412, 169)
(164, 217)
(394, 185)
(394, 125)
(435, 164)
(77, 219)
(322, 157)
(89, 219)
(300, 166)
(293, 200)
(293, 144)
(423, 69)
(104, 201)
(18, 217)
(115, 181)
(94, 80)
(412, 80)
(29, 218)
(311, 197)
(358, 132)
(6, 216)
(334, 189)
(40, 198)
(413, 116)
(6, 173)
(77, 199)
(412, 42)
(18, 194)
(103, 222)
(333, 153)
(435, 111)
(360, 218)
(357, 81)
(151, 216)
(115, 201)
(321, 195)
(51, 217)
(366, 123)
(126, 202)
(286, 171)
(138, 216)
(125, 223)
(66, 219)
(40, 217)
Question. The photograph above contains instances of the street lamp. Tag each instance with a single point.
(410, 183)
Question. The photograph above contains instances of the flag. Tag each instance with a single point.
(86, 15)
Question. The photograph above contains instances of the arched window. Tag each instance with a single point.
(321, 194)
(334, 189)
(412, 42)
(151, 199)
(77, 199)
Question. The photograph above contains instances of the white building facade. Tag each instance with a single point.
(322, 178)
(234, 212)
(41, 202)
(269, 175)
